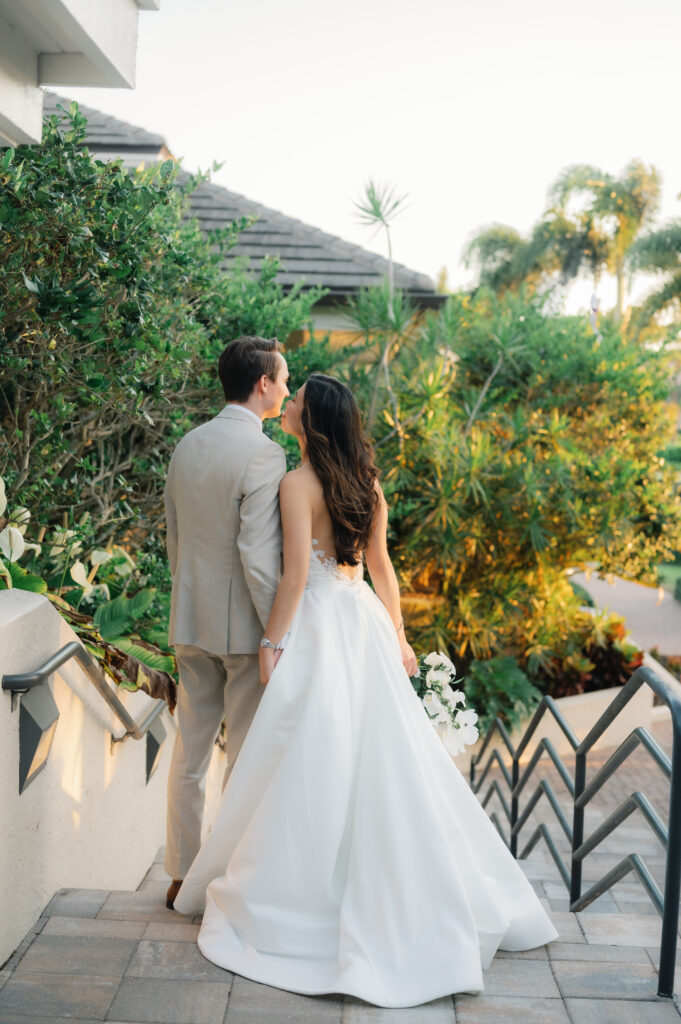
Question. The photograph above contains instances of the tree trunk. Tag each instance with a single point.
(619, 308)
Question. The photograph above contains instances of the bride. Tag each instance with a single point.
(349, 853)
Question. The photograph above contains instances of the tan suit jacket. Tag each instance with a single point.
(224, 533)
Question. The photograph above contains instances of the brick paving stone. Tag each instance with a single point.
(94, 927)
(486, 1009)
(538, 953)
(515, 977)
(157, 873)
(621, 929)
(156, 888)
(620, 1011)
(138, 906)
(440, 1011)
(567, 926)
(251, 1002)
(76, 903)
(646, 909)
(156, 1001)
(171, 932)
(654, 954)
(58, 995)
(67, 954)
(179, 960)
(605, 981)
(20, 1018)
(599, 953)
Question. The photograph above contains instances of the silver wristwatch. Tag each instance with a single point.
(268, 643)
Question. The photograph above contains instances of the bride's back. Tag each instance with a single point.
(322, 524)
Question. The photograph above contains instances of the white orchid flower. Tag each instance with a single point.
(435, 709)
(20, 518)
(12, 544)
(78, 574)
(3, 497)
(469, 734)
(440, 659)
(99, 556)
(466, 717)
(454, 741)
(454, 696)
(437, 675)
(33, 547)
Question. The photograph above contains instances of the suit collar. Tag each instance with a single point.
(240, 413)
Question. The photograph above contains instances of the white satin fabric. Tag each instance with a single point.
(349, 853)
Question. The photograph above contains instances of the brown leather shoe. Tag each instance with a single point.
(172, 892)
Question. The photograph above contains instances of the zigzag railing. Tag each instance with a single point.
(581, 794)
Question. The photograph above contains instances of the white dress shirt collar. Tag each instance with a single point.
(242, 408)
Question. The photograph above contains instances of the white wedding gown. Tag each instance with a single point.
(349, 853)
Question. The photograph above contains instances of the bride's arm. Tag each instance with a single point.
(296, 522)
(385, 581)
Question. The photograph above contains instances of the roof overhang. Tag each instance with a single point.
(62, 43)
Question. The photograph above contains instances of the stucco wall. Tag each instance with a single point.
(88, 820)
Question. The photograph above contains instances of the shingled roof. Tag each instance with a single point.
(305, 252)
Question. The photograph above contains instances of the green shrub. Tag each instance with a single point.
(114, 309)
(516, 445)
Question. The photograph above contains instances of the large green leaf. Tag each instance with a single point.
(112, 618)
(22, 579)
(162, 662)
(138, 604)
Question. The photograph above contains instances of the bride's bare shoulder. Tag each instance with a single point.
(301, 480)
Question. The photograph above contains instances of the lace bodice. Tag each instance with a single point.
(324, 569)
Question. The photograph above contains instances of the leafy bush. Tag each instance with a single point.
(516, 445)
(115, 307)
(499, 687)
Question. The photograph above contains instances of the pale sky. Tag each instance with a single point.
(472, 107)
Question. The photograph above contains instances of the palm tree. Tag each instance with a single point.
(659, 252)
(618, 208)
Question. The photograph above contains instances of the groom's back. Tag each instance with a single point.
(224, 535)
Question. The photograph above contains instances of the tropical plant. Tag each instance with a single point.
(620, 206)
(590, 226)
(115, 307)
(530, 448)
(659, 253)
(61, 570)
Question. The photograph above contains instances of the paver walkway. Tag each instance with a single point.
(653, 617)
(121, 956)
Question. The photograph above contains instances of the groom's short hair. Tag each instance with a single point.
(244, 362)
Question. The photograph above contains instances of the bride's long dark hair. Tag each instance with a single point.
(343, 459)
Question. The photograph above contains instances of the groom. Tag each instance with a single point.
(224, 548)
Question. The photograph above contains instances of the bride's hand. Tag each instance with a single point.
(408, 658)
(268, 661)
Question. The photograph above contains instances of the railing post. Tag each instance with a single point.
(672, 881)
(577, 828)
(515, 775)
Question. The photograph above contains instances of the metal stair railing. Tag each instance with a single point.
(581, 794)
(15, 684)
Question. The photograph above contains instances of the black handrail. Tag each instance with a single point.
(26, 681)
(581, 794)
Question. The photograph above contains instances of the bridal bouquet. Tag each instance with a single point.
(454, 725)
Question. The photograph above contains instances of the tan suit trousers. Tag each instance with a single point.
(211, 687)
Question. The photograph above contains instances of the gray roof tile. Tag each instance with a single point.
(305, 252)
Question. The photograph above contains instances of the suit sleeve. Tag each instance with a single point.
(259, 539)
(171, 519)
